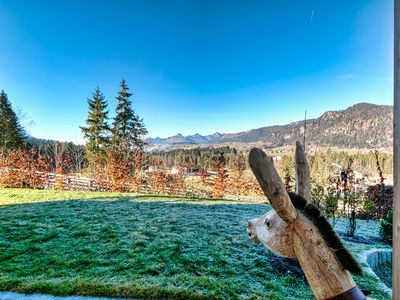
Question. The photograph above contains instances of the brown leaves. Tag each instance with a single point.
(119, 173)
(382, 199)
(21, 168)
(220, 182)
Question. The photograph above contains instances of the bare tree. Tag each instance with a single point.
(55, 153)
(77, 153)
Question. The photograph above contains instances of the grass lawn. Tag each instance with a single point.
(109, 244)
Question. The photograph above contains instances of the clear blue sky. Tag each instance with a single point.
(194, 66)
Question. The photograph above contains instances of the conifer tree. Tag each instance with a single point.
(128, 127)
(138, 132)
(12, 134)
(96, 133)
(122, 120)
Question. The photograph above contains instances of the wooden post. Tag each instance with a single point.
(325, 275)
(396, 156)
(272, 185)
(302, 173)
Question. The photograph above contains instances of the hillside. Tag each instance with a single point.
(362, 125)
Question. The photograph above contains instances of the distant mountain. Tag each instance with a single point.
(362, 125)
(190, 139)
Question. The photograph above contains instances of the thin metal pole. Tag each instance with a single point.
(305, 128)
(396, 156)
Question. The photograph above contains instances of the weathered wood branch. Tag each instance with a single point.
(302, 173)
(272, 185)
(324, 273)
(288, 234)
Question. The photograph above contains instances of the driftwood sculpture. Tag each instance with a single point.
(296, 228)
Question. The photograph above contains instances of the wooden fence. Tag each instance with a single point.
(69, 182)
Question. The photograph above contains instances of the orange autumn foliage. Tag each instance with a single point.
(21, 168)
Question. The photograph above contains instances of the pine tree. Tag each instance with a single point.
(97, 131)
(12, 134)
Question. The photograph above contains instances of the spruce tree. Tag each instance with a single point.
(128, 127)
(12, 134)
(123, 117)
(96, 133)
(138, 132)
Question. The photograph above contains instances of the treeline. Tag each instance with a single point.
(56, 151)
(322, 163)
(195, 158)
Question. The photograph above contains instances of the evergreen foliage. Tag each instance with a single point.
(97, 131)
(138, 131)
(195, 158)
(12, 133)
(128, 128)
(124, 115)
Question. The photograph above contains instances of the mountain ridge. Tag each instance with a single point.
(362, 125)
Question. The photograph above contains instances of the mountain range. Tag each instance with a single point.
(362, 125)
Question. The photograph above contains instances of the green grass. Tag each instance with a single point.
(122, 245)
(19, 196)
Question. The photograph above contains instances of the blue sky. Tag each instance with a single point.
(194, 66)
